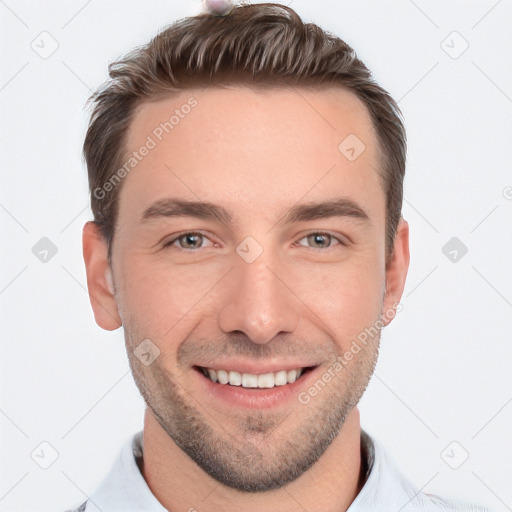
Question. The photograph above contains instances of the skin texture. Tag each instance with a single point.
(256, 153)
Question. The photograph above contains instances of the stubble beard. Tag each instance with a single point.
(260, 453)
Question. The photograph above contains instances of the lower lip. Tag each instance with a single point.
(256, 398)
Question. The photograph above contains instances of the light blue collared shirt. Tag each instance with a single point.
(386, 488)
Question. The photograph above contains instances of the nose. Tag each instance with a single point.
(258, 301)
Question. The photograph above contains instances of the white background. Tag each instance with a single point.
(444, 370)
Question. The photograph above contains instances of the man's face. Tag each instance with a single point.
(261, 292)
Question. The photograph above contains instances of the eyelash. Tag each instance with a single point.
(322, 233)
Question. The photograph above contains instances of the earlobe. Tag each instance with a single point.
(396, 272)
(100, 283)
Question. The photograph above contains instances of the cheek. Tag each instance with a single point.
(158, 299)
(346, 300)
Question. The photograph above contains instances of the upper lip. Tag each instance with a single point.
(256, 367)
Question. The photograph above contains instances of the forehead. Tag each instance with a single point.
(252, 148)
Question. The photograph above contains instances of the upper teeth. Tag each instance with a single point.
(251, 380)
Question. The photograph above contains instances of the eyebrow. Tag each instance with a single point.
(172, 207)
(342, 207)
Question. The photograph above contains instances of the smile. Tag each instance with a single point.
(251, 380)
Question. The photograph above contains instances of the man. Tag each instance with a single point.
(246, 184)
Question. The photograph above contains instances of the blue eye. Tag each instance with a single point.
(321, 238)
(191, 240)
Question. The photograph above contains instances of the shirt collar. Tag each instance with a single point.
(125, 490)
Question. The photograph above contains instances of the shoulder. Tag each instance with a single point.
(387, 486)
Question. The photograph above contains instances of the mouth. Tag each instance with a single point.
(226, 377)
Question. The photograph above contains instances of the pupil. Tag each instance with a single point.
(319, 239)
(190, 239)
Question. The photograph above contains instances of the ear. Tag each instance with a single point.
(396, 271)
(99, 278)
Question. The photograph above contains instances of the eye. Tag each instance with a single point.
(190, 240)
(322, 239)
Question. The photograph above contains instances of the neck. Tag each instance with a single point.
(330, 485)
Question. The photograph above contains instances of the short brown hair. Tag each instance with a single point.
(257, 45)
